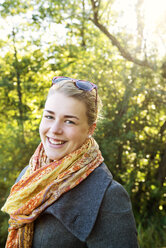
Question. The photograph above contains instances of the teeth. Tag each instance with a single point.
(56, 142)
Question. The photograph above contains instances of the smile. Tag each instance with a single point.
(56, 142)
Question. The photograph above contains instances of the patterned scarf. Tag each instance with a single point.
(42, 184)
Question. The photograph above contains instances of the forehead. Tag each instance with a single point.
(62, 104)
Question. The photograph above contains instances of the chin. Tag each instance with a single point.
(53, 157)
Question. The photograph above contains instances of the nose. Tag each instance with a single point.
(56, 127)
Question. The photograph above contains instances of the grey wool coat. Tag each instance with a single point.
(95, 214)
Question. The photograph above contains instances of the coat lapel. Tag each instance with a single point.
(77, 209)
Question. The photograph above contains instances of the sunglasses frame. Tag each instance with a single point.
(76, 81)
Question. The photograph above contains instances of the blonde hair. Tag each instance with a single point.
(69, 89)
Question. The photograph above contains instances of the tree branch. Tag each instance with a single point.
(125, 54)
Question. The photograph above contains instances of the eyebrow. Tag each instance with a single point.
(66, 116)
(49, 111)
(71, 116)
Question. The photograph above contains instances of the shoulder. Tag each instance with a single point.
(115, 223)
(116, 198)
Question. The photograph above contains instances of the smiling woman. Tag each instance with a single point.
(66, 196)
(64, 126)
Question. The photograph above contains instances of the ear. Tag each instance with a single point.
(92, 129)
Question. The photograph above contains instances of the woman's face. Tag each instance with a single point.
(64, 125)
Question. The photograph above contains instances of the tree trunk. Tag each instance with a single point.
(161, 175)
(19, 91)
(83, 44)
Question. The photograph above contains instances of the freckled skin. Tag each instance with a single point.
(64, 125)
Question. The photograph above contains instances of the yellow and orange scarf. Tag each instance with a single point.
(42, 184)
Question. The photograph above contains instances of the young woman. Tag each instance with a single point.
(66, 196)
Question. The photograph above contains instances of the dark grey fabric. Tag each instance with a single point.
(95, 214)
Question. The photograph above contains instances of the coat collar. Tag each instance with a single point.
(78, 208)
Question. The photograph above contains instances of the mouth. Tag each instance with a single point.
(56, 141)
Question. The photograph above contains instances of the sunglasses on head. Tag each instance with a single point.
(80, 84)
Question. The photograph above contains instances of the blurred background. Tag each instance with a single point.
(120, 45)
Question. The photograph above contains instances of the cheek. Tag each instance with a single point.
(71, 133)
(78, 135)
(40, 132)
(42, 127)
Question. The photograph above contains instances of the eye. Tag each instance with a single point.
(69, 122)
(49, 117)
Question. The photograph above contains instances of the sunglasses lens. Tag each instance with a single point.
(58, 79)
(84, 85)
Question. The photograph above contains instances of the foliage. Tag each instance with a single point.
(132, 130)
